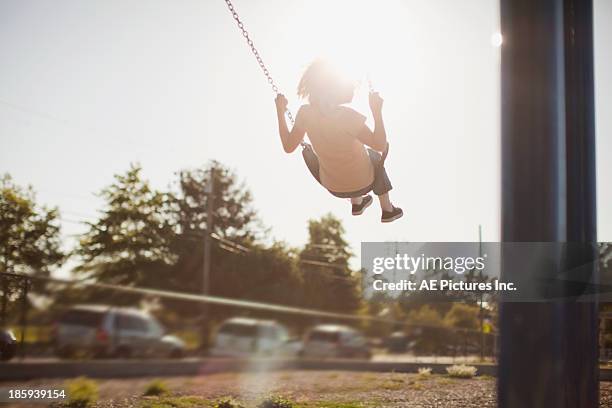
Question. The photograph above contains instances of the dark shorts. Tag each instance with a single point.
(380, 186)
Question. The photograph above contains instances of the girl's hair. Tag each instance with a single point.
(321, 83)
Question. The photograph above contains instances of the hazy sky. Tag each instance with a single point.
(88, 87)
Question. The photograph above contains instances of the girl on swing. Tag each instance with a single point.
(342, 163)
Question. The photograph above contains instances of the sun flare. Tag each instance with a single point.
(353, 35)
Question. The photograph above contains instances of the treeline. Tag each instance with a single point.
(149, 238)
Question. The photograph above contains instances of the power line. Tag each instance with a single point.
(227, 301)
(205, 299)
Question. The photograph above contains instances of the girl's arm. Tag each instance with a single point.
(377, 139)
(290, 139)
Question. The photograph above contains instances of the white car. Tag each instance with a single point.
(335, 341)
(239, 337)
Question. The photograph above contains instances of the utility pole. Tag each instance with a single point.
(210, 197)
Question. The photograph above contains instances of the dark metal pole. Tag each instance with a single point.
(547, 159)
(581, 323)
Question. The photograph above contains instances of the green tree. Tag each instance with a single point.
(330, 283)
(234, 216)
(29, 236)
(130, 242)
(235, 227)
(425, 316)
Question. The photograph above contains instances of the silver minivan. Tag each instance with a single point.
(241, 336)
(109, 331)
(335, 341)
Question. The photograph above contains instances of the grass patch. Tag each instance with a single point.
(461, 371)
(392, 385)
(417, 386)
(175, 402)
(156, 388)
(227, 403)
(444, 381)
(324, 404)
(276, 401)
(424, 372)
(82, 392)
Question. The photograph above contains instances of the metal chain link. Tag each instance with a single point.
(250, 43)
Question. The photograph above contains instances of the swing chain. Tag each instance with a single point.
(250, 43)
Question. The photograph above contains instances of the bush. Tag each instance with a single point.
(425, 315)
(463, 316)
(424, 371)
(156, 388)
(227, 403)
(429, 334)
(461, 371)
(82, 392)
(275, 402)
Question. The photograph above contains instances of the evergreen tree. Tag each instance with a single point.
(329, 282)
(130, 243)
(29, 237)
(236, 228)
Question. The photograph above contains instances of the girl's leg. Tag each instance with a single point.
(382, 184)
(385, 202)
(356, 200)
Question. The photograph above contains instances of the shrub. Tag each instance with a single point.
(463, 316)
(461, 371)
(156, 388)
(424, 371)
(431, 337)
(227, 403)
(82, 392)
(276, 402)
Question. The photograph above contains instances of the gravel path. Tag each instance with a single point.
(314, 389)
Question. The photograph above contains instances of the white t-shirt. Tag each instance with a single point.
(344, 164)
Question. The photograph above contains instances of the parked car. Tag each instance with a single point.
(108, 331)
(8, 345)
(399, 342)
(335, 341)
(239, 336)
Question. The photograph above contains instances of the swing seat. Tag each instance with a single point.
(311, 160)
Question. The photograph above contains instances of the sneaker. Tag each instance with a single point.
(358, 209)
(389, 216)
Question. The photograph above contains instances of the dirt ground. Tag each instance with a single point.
(329, 389)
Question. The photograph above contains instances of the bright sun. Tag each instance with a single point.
(350, 33)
